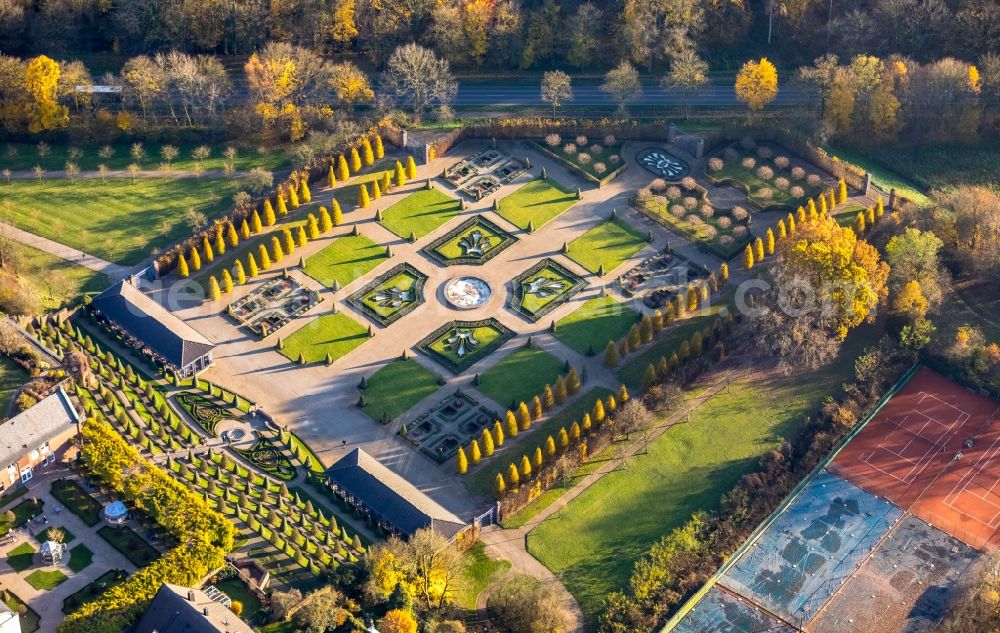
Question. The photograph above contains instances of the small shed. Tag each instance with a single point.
(52, 552)
(115, 513)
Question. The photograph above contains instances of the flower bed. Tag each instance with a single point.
(768, 176)
(473, 242)
(596, 160)
(460, 344)
(269, 458)
(543, 288)
(392, 295)
(686, 209)
(205, 412)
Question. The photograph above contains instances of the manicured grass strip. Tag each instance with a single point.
(589, 328)
(631, 371)
(344, 260)
(396, 387)
(482, 480)
(21, 557)
(477, 571)
(520, 376)
(237, 590)
(71, 495)
(536, 202)
(80, 557)
(117, 220)
(609, 244)
(26, 156)
(12, 377)
(29, 619)
(46, 580)
(687, 469)
(23, 512)
(106, 581)
(57, 280)
(420, 213)
(131, 545)
(330, 334)
(43, 535)
(18, 492)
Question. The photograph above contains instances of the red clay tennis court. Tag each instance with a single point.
(909, 455)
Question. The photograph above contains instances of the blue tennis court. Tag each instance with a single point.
(813, 548)
(721, 612)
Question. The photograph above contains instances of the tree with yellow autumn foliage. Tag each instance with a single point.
(757, 83)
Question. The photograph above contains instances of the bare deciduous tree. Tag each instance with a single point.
(416, 78)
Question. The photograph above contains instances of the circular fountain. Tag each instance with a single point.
(467, 293)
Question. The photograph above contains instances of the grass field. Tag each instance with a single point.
(884, 173)
(117, 221)
(45, 580)
(28, 617)
(21, 557)
(520, 376)
(58, 281)
(609, 244)
(476, 572)
(344, 260)
(24, 157)
(12, 376)
(687, 469)
(43, 535)
(131, 545)
(237, 590)
(920, 168)
(23, 512)
(396, 387)
(482, 480)
(80, 557)
(333, 334)
(420, 213)
(592, 325)
(77, 500)
(537, 202)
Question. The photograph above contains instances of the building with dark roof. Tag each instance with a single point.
(153, 329)
(34, 438)
(387, 499)
(176, 609)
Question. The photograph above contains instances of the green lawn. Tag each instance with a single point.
(24, 157)
(46, 580)
(80, 557)
(333, 334)
(29, 619)
(404, 280)
(347, 193)
(609, 244)
(537, 202)
(453, 249)
(344, 260)
(396, 387)
(489, 337)
(592, 325)
(237, 590)
(131, 545)
(77, 501)
(520, 376)
(21, 557)
(117, 221)
(481, 480)
(535, 305)
(687, 469)
(23, 512)
(630, 372)
(476, 572)
(12, 377)
(848, 215)
(420, 213)
(57, 280)
(43, 535)
(734, 170)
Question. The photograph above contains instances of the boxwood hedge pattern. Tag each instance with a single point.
(517, 304)
(433, 250)
(455, 364)
(358, 298)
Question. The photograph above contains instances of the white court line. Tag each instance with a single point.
(969, 477)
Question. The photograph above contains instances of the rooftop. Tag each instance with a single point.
(170, 337)
(33, 427)
(177, 609)
(390, 496)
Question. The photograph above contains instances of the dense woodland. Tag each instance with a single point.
(513, 34)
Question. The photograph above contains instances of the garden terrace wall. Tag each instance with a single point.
(315, 169)
(600, 182)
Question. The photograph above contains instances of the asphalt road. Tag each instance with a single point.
(587, 92)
